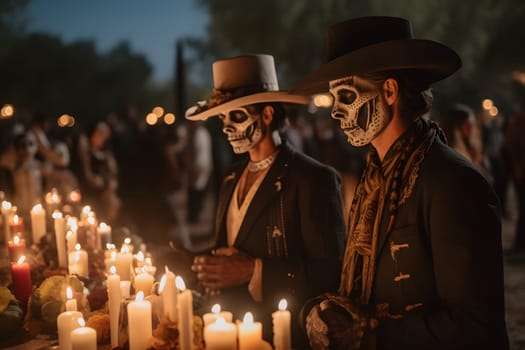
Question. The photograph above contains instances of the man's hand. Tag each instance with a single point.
(225, 268)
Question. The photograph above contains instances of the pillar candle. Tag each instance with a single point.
(17, 248)
(123, 264)
(250, 333)
(144, 282)
(7, 213)
(125, 287)
(71, 303)
(220, 335)
(114, 300)
(38, 222)
(71, 239)
(66, 322)
(16, 226)
(78, 262)
(282, 338)
(83, 338)
(184, 315)
(211, 317)
(21, 276)
(169, 292)
(103, 235)
(139, 322)
(60, 235)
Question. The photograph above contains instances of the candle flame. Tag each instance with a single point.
(74, 196)
(162, 284)
(248, 318)
(113, 255)
(91, 220)
(56, 214)
(103, 226)
(140, 296)
(16, 219)
(6, 205)
(140, 256)
(77, 246)
(16, 240)
(283, 304)
(37, 208)
(216, 309)
(81, 322)
(179, 282)
(110, 246)
(124, 249)
(69, 293)
(22, 259)
(127, 240)
(112, 270)
(86, 209)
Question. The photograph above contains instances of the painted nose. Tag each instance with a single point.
(227, 128)
(337, 114)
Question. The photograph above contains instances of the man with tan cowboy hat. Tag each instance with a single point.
(423, 261)
(279, 224)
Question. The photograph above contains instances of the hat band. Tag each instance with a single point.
(222, 96)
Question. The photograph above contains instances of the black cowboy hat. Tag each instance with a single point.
(378, 43)
(241, 81)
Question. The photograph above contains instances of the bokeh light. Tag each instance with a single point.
(169, 118)
(158, 111)
(487, 104)
(7, 111)
(151, 119)
(323, 100)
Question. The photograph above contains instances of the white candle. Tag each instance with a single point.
(250, 333)
(125, 287)
(220, 335)
(103, 235)
(7, 212)
(282, 338)
(114, 300)
(38, 222)
(110, 260)
(60, 235)
(66, 322)
(211, 317)
(71, 239)
(71, 303)
(123, 263)
(139, 325)
(78, 262)
(144, 282)
(83, 338)
(184, 315)
(169, 292)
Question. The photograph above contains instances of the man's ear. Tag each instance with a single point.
(267, 114)
(390, 91)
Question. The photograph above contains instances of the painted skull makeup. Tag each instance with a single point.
(243, 128)
(360, 108)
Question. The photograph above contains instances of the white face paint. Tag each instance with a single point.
(360, 108)
(243, 128)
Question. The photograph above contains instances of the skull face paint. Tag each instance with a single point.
(243, 128)
(360, 108)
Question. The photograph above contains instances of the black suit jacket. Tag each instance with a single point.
(295, 225)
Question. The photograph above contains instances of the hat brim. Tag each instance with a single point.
(434, 60)
(267, 96)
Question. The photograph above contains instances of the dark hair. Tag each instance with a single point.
(279, 114)
(415, 96)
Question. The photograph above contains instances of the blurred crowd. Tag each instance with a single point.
(156, 180)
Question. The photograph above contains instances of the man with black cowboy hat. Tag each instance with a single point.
(279, 224)
(423, 261)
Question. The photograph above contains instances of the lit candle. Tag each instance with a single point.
(21, 276)
(144, 282)
(250, 333)
(103, 235)
(78, 262)
(66, 322)
(60, 228)
(139, 325)
(83, 338)
(17, 248)
(211, 317)
(169, 292)
(16, 226)
(220, 335)
(123, 263)
(71, 303)
(184, 315)
(125, 287)
(114, 300)
(282, 338)
(7, 213)
(38, 222)
(53, 200)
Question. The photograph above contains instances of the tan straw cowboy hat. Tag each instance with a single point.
(241, 81)
(375, 44)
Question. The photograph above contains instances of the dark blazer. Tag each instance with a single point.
(439, 273)
(295, 225)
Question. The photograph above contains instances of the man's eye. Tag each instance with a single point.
(346, 96)
(238, 116)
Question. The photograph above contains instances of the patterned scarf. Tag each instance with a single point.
(383, 188)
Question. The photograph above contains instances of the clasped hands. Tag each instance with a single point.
(224, 268)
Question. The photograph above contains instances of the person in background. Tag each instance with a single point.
(279, 227)
(423, 263)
